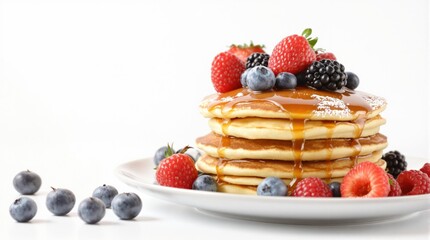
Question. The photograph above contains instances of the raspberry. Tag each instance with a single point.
(312, 187)
(426, 169)
(243, 51)
(414, 182)
(395, 189)
(325, 55)
(366, 180)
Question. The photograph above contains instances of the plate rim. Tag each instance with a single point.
(420, 202)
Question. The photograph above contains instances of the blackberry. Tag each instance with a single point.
(257, 59)
(396, 162)
(326, 74)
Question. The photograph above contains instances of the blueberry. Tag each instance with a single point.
(352, 80)
(91, 210)
(105, 193)
(286, 80)
(193, 153)
(205, 183)
(27, 182)
(243, 77)
(126, 205)
(23, 209)
(272, 186)
(260, 78)
(335, 189)
(60, 201)
(160, 154)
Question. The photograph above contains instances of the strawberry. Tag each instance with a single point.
(426, 169)
(365, 180)
(293, 54)
(243, 51)
(177, 171)
(226, 71)
(325, 55)
(312, 187)
(414, 182)
(395, 189)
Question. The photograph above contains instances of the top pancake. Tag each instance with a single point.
(299, 103)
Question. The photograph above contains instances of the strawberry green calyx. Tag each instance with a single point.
(307, 34)
(250, 45)
(169, 152)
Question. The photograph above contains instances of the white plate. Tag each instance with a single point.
(141, 175)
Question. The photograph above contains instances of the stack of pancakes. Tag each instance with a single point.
(290, 134)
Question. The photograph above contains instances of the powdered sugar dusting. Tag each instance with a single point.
(330, 106)
(375, 102)
(227, 99)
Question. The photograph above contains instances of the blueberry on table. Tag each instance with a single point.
(91, 210)
(272, 186)
(205, 183)
(60, 201)
(126, 205)
(23, 209)
(105, 193)
(27, 182)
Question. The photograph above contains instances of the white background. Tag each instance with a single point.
(86, 85)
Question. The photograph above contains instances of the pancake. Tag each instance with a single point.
(251, 189)
(237, 189)
(282, 169)
(282, 129)
(299, 103)
(254, 181)
(309, 150)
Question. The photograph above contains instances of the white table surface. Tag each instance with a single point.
(160, 219)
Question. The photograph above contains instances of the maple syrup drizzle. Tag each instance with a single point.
(356, 145)
(359, 126)
(222, 146)
(219, 169)
(225, 140)
(298, 143)
(299, 105)
(329, 146)
(225, 124)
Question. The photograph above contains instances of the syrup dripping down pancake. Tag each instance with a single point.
(282, 129)
(282, 169)
(299, 103)
(310, 150)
